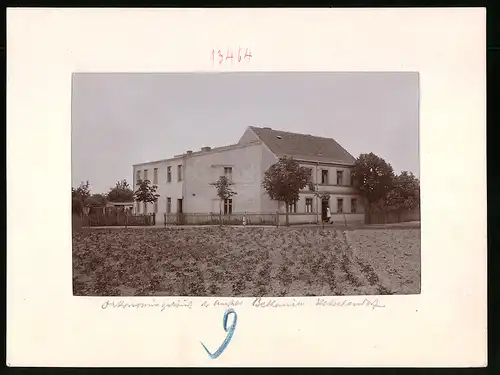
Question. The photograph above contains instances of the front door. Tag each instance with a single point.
(324, 206)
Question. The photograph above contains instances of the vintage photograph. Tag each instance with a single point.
(247, 184)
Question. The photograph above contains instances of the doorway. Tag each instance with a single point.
(324, 206)
(180, 216)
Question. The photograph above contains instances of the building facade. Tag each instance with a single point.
(185, 182)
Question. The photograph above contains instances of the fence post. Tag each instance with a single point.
(277, 218)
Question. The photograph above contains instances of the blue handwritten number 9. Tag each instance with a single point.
(230, 332)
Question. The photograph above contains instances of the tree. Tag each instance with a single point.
(121, 192)
(373, 177)
(146, 193)
(76, 206)
(82, 192)
(224, 191)
(79, 197)
(97, 200)
(283, 181)
(405, 193)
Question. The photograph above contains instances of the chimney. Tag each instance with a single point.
(206, 148)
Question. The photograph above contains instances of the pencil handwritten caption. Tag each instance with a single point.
(230, 55)
(232, 303)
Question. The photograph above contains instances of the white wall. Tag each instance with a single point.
(249, 161)
(344, 191)
(204, 169)
(248, 136)
(332, 176)
(165, 189)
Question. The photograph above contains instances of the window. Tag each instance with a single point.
(169, 174)
(228, 206)
(340, 175)
(324, 176)
(228, 172)
(145, 174)
(169, 205)
(155, 207)
(352, 179)
(155, 176)
(145, 208)
(353, 205)
(179, 172)
(292, 207)
(137, 176)
(340, 205)
(309, 204)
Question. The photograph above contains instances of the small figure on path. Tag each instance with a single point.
(328, 215)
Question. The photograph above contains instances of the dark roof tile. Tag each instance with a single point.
(303, 146)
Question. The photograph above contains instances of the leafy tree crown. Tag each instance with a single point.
(82, 192)
(223, 188)
(284, 180)
(96, 200)
(146, 192)
(405, 193)
(121, 192)
(372, 176)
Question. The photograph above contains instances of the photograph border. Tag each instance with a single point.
(42, 315)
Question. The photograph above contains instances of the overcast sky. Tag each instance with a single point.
(123, 119)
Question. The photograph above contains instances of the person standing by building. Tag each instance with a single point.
(328, 215)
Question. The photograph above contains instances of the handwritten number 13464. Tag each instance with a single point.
(221, 56)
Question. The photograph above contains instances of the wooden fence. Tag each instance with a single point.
(111, 216)
(392, 217)
(215, 219)
(255, 219)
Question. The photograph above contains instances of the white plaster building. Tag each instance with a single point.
(184, 181)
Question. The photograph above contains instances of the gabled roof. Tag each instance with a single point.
(303, 146)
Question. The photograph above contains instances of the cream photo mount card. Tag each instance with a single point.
(249, 187)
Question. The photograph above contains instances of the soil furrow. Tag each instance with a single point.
(247, 261)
